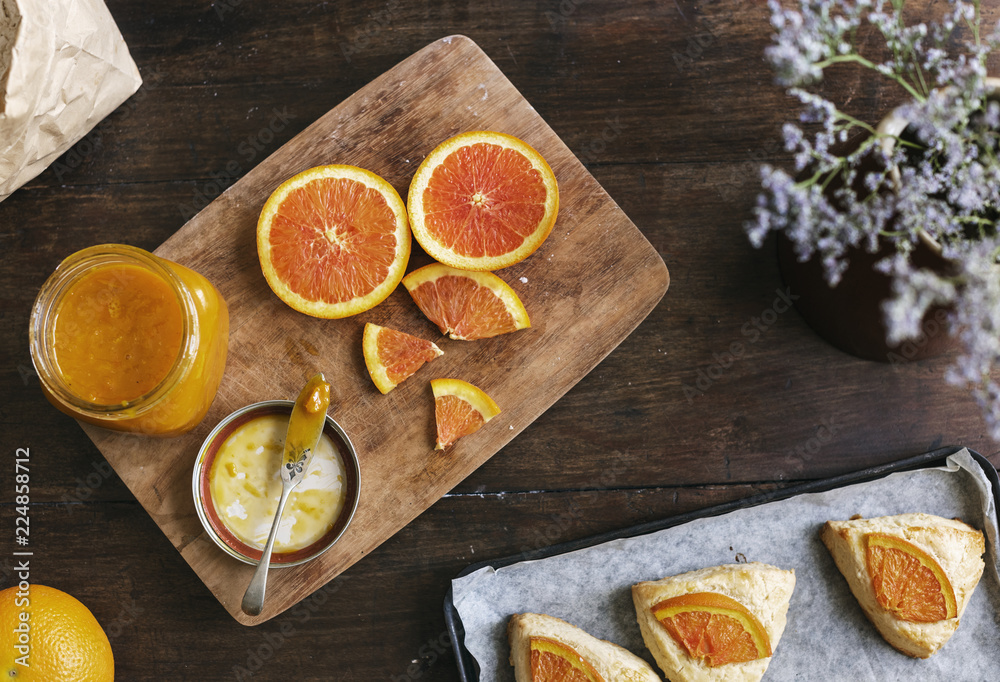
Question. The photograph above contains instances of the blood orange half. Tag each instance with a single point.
(333, 241)
(393, 356)
(482, 201)
(459, 409)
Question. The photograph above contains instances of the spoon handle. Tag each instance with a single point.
(253, 599)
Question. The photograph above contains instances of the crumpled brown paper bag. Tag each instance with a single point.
(63, 67)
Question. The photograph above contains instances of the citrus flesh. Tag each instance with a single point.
(907, 581)
(714, 628)
(459, 409)
(333, 241)
(553, 661)
(65, 641)
(393, 356)
(466, 305)
(482, 200)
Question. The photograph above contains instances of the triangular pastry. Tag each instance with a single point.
(714, 624)
(554, 644)
(912, 574)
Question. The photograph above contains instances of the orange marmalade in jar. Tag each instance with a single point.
(129, 341)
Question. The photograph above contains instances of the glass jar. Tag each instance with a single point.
(129, 341)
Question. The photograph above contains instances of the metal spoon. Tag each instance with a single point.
(305, 428)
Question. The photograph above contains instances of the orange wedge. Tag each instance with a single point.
(553, 661)
(482, 201)
(714, 628)
(333, 241)
(466, 305)
(908, 582)
(459, 409)
(393, 356)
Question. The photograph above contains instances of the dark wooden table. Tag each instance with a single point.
(671, 107)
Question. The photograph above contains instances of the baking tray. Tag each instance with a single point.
(468, 667)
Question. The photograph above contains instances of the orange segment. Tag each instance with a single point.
(466, 305)
(553, 661)
(333, 241)
(908, 582)
(459, 409)
(714, 628)
(393, 356)
(482, 201)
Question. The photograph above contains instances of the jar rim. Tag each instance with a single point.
(71, 270)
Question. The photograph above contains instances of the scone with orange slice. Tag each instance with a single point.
(912, 574)
(546, 649)
(717, 623)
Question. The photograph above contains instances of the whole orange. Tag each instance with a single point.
(60, 640)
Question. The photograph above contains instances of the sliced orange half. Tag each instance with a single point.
(908, 582)
(459, 409)
(466, 305)
(553, 661)
(333, 241)
(714, 628)
(393, 356)
(482, 201)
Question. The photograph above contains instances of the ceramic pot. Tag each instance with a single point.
(849, 316)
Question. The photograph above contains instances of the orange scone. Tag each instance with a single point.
(546, 649)
(912, 574)
(718, 623)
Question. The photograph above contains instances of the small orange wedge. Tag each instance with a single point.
(466, 305)
(333, 241)
(393, 356)
(482, 201)
(459, 409)
(714, 628)
(908, 582)
(553, 661)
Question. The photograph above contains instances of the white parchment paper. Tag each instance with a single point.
(827, 637)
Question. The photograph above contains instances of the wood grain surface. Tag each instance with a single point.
(588, 286)
(669, 105)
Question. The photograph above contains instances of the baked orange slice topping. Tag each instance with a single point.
(393, 356)
(466, 305)
(482, 201)
(907, 581)
(333, 241)
(459, 409)
(714, 628)
(553, 661)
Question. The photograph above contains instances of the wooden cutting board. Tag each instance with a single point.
(587, 287)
